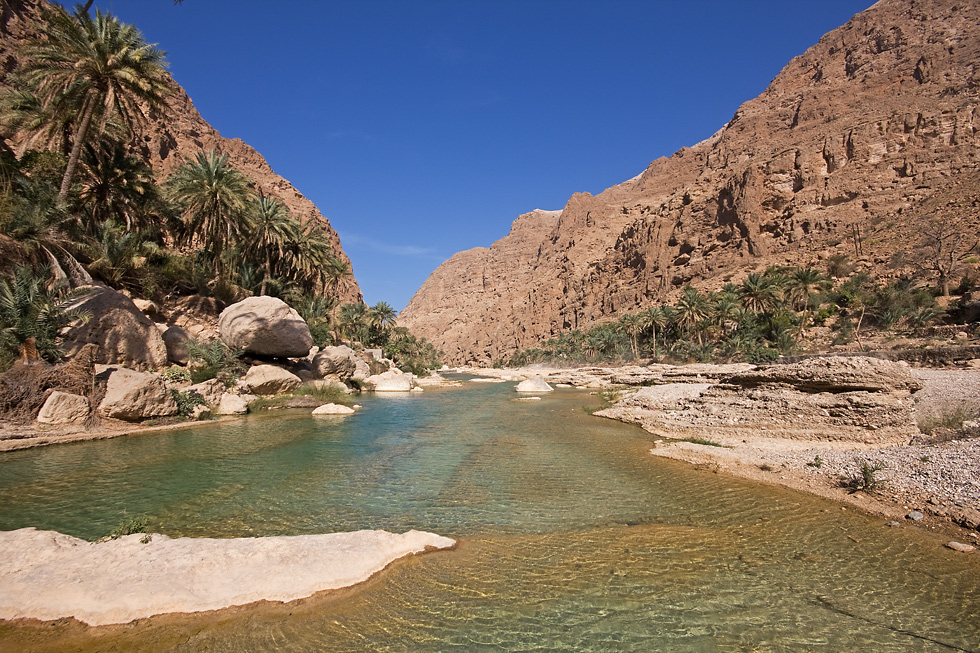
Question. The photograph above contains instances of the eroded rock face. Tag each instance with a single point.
(135, 396)
(266, 326)
(269, 380)
(872, 128)
(123, 334)
(833, 399)
(64, 408)
(834, 374)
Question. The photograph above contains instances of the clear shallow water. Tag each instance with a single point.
(572, 538)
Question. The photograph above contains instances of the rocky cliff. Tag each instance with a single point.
(170, 138)
(856, 145)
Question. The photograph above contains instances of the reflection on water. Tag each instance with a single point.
(572, 537)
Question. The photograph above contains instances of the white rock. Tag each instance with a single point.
(231, 404)
(266, 326)
(269, 380)
(63, 408)
(47, 575)
(332, 409)
(536, 384)
(135, 396)
(210, 391)
(962, 548)
(390, 381)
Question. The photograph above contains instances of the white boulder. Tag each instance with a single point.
(63, 408)
(332, 409)
(266, 326)
(269, 380)
(390, 381)
(135, 396)
(210, 391)
(232, 404)
(537, 384)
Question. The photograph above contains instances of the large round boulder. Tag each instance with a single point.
(390, 381)
(265, 326)
(124, 335)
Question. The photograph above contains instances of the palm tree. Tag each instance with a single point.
(802, 284)
(351, 323)
(759, 293)
(29, 308)
(92, 69)
(632, 324)
(692, 310)
(116, 186)
(654, 318)
(271, 229)
(213, 198)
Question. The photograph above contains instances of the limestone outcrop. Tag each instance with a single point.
(856, 145)
(833, 399)
(123, 334)
(269, 380)
(265, 326)
(134, 396)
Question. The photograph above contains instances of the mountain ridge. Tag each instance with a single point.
(848, 142)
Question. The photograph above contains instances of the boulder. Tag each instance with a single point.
(63, 408)
(232, 404)
(269, 380)
(362, 370)
(537, 384)
(175, 340)
(332, 409)
(326, 384)
(265, 326)
(134, 396)
(390, 381)
(124, 335)
(834, 374)
(210, 391)
(340, 362)
(147, 307)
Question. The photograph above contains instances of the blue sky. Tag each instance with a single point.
(422, 128)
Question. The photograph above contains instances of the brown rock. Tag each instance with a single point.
(269, 380)
(123, 334)
(871, 129)
(340, 362)
(134, 396)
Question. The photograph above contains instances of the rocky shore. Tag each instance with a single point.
(811, 425)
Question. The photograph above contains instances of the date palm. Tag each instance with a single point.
(691, 310)
(94, 69)
(116, 186)
(213, 198)
(759, 293)
(271, 230)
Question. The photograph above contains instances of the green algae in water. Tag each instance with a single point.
(572, 538)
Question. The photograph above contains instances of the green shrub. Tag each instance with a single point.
(211, 359)
(177, 374)
(186, 401)
(127, 527)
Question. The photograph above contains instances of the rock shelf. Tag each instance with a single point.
(47, 575)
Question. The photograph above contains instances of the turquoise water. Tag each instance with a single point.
(571, 536)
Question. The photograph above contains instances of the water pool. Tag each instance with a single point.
(572, 537)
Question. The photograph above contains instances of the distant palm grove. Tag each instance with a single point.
(80, 203)
(763, 317)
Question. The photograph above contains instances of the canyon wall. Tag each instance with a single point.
(853, 148)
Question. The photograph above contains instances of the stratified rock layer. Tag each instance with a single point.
(855, 145)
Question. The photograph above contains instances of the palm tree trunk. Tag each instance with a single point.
(268, 270)
(76, 148)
